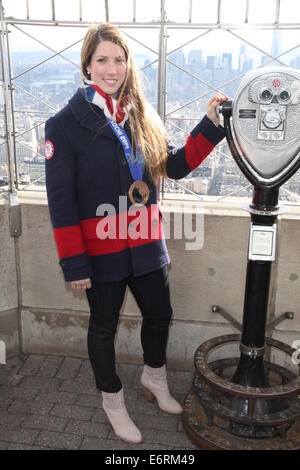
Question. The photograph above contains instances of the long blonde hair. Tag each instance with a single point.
(146, 126)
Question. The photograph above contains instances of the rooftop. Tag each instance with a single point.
(48, 399)
(51, 402)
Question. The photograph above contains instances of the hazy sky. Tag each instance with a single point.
(260, 11)
(232, 11)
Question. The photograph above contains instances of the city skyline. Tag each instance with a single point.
(57, 79)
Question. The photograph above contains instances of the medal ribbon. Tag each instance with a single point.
(135, 162)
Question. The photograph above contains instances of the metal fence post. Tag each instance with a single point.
(162, 73)
(6, 102)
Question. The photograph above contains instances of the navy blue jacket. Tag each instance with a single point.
(85, 168)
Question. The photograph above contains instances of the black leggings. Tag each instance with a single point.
(151, 292)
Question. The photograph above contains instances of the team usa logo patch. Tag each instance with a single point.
(49, 149)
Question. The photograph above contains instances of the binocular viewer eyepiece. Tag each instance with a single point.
(262, 125)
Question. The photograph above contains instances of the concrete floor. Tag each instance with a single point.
(51, 402)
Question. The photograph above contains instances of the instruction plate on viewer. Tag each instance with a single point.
(262, 242)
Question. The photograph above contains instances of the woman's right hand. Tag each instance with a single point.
(211, 106)
(82, 284)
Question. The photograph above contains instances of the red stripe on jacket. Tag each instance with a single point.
(111, 234)
(69, 241)
(196, 150)
(127, 231)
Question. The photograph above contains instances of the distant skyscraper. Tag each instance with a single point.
(195, 57)
(264, 59)
(227, 61)
(219, 74)
(247, 65)
(178, 57)
(276, 43)
(242, 56)
(211, 62)
(295, 63)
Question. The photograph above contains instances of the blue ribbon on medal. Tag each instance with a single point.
(138, 192)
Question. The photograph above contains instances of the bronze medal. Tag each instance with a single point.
(138, 192)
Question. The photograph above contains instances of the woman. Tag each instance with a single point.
(105, 150)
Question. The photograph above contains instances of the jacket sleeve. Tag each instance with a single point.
(201, 141)
(60, 170)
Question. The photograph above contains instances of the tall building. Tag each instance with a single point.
(178, 57)
(176, 78)
(35, 169)
(247, 65)
(195, 57)
(295, 62)
(227, 62)
(242, 57)
(276, 43)
(264, 59)
(211, 62)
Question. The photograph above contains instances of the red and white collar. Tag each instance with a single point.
(115, 112)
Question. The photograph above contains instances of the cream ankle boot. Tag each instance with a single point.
(154, 385)
(116, 412)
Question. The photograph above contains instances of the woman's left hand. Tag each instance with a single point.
(211, 105)
(81, 284)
